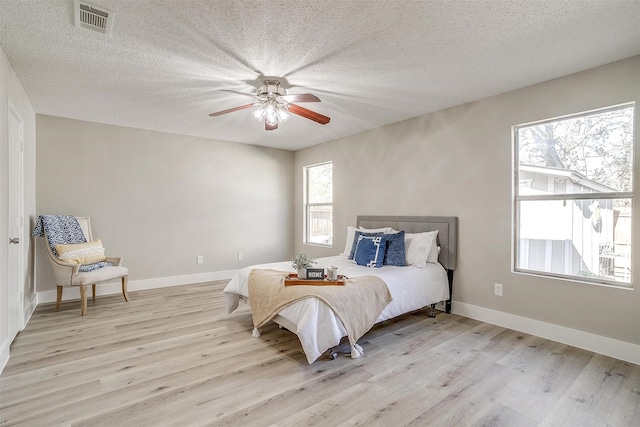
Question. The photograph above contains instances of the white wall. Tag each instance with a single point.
(160, 200)
(458, 162)
(11, 90)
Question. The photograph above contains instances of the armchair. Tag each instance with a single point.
(64, 230)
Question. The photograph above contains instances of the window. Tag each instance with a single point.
(573, 196)
(318, 204)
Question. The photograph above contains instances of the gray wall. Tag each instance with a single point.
(458, 162)
(160, 200)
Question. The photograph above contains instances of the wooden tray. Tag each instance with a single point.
(292, 280)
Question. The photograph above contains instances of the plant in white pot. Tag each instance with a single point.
(300, 263)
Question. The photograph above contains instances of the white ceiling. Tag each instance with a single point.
(370, 62)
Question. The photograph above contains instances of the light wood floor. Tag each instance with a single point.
(173, 357)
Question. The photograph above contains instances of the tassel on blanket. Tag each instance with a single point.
(256, 333)
(356, 351)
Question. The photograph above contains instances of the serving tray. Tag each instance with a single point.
(292, 280)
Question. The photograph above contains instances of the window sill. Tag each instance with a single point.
(603, 283)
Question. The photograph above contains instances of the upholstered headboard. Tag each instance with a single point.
(447, 227)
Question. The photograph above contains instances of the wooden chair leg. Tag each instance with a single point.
(124, 287)
(59, 297)
(93, 290)
(83, 299)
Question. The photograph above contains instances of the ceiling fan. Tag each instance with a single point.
(274, 105)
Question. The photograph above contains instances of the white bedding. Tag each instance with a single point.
(315, 324)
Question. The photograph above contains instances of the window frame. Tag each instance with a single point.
(518, 198)
(307, 206)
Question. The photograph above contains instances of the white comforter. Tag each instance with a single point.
(315, 324)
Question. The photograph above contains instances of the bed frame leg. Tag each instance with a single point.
(447, 303)
(432, 312)
(333, 354)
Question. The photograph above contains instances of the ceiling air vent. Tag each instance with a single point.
(93, 18)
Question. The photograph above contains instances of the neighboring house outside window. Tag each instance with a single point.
(318, 204)
(573, 196)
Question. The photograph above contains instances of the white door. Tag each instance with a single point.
(15, 220)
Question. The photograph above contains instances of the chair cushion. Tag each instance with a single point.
(85, 268)
(100, 275)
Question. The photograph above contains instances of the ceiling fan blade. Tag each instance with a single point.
(300, 97)
(267, 126)
(231, 110)
(308, 114)
(253, 95)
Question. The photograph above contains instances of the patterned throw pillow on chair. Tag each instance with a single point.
(81, 253)
(370, 250)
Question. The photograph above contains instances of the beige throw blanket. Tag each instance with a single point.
(358, 303)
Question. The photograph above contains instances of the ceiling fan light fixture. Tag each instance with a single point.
(272, 111)
(273, 105)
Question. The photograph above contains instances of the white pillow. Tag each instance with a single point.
(434, 254)
(351, 234)
(385, 230)
(435, 249)
(418, 247)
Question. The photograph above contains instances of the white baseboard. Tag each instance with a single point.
(29, 309)
(4, 354)
(108, 288)
(598, 344)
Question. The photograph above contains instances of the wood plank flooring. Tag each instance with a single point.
(172, 356)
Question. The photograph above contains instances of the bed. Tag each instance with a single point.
(319, 329)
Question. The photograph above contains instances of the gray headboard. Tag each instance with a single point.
(447, 227)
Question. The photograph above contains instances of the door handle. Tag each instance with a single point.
(14, 240)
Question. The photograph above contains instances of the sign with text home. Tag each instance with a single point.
(315, 273)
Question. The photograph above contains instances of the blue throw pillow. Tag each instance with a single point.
(394, 254)
(370, 250)
(357, 234)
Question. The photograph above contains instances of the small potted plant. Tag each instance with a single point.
(300, 263)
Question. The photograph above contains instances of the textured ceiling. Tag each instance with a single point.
(370, 62)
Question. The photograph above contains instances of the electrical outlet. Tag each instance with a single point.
(200, 259)
(497, 289)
